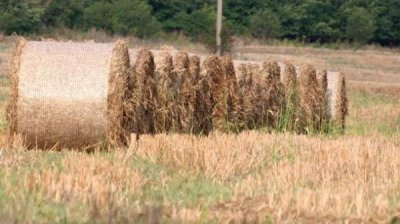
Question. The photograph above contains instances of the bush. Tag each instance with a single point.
(19, 17)
(265, 24)
(360, 25)
(200, 25)
(99, 16)
(134, 17)
(65, 13)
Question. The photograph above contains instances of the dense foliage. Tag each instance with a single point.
(364, 21)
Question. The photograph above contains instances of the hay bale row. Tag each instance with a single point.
(85, 94)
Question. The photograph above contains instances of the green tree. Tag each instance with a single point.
(134, 17)
(99, 15)
(360, 25)
(19, 17)
(265, 24)
(68, 13)
(199, 25)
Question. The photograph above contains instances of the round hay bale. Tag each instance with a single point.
(145, 93)
(290, 113)
(247, 85)
(203, 105)
(166, 97)
(212, 68)
(337, 100)
(194, 69)
(322, 78)
(290, 76)
(274, 94)
(309, 99)
(233, 115)
(185, 96)
(69, 94)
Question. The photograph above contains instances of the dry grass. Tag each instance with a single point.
(290, 177)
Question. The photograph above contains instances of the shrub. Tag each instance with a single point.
(360, 25)
(19, 17)
(99, 16)
(265, 24)
(134, 17)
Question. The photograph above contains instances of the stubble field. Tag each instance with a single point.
(253, 177)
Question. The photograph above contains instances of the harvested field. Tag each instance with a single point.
(253, 176)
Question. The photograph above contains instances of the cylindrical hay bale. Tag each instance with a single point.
(145, 93)
(290, 113)
(340, 104)
(322, 78)
(290, 76)
(166, 98)
(203, 106)
(69, 94)
(257, 97)
(246, 87)
(309, 99)
(233, 115)
(274, 93)
(185, 96)
(194, 69)
(212, 68)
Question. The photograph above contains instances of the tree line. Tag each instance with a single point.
(324, 21)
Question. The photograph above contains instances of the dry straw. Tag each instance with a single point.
(246, 87)
(322, 78)
(166, 98)
(309, 99)
(212, 69)
(203, 106)
(184, 95)
(340, 109)
(233, 115)
(290, 114)
(145, 93)
(274, 95)
(68, 94)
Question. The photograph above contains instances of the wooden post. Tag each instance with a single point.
(219, 27)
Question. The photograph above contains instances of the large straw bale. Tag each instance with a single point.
(274, 93)
(194, 69)
(322, 78)
(290, 113)
(233, 115)
(145, 93)
(165, 93)
(203, 106)
(309, 99)
(337, 109)
(185, 96)
(69, 94)
(212, 69)
(246, 87)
